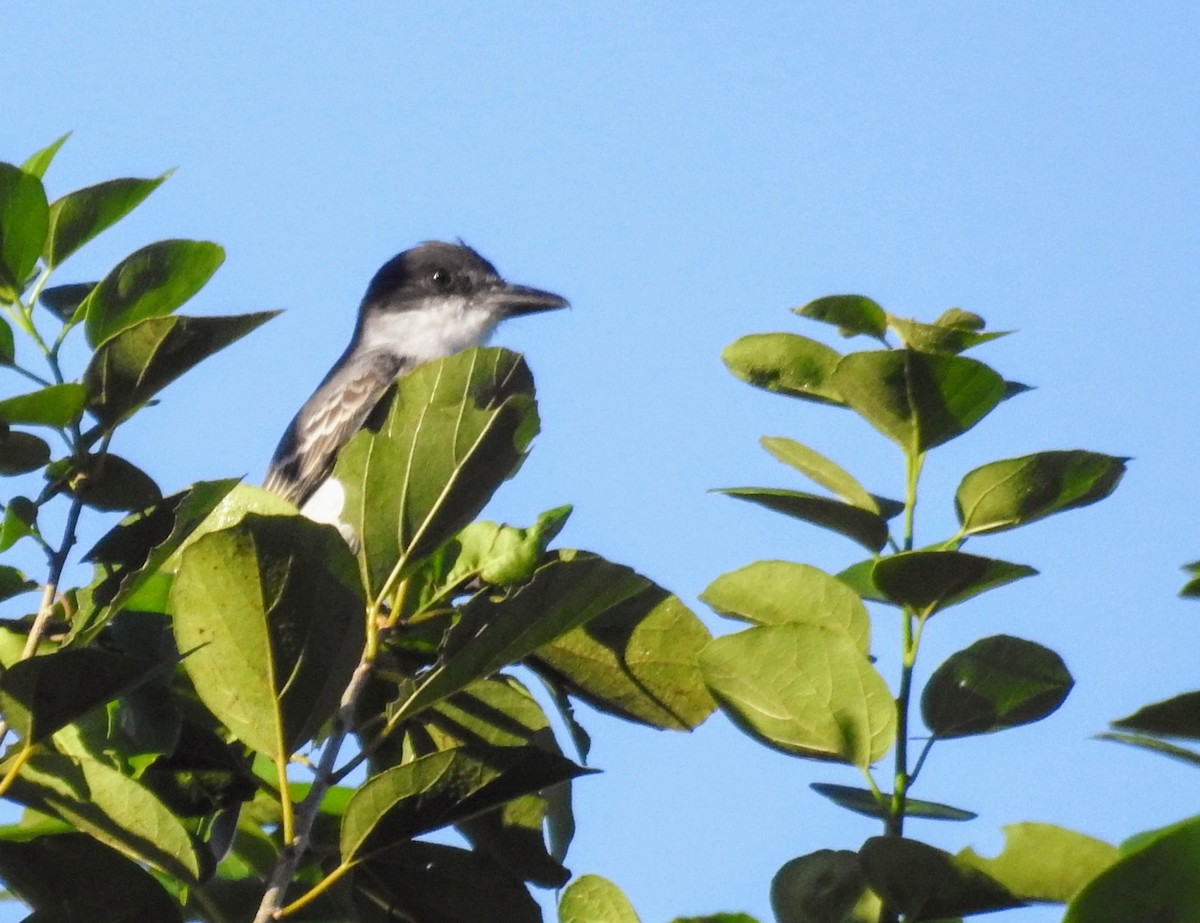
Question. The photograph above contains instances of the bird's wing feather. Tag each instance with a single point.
(336, 411)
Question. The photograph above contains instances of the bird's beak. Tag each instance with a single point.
(515, 300)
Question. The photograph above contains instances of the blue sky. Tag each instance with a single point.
(685, 174)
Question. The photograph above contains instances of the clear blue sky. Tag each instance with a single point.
(685, 173)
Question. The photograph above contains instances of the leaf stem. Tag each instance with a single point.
(316, 890)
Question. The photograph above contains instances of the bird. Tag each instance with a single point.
(425, 303)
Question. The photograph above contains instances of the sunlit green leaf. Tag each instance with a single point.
(80, 215)
(802, 689)
(39, 162)
(829, 475)
(996, 683)
(863, 801)
(272, 612)
(925, 883)
(1015, 491)
(592, 899)
(826, 886)
(22, 452)
(775, 592)
(131, 367)
(503, 555)
(636, 660)
(24, 215)
(152, 282)
(565, 593)
(102, 886)
(919, 400)
(929, 581)
(457, 428)
(868, 529)
(54, 405)
(786, 364)
(112, 807)
(949, 339)
(1156, 881)
(1042, 862)
(851, 314)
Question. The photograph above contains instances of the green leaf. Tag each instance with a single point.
(929, 581)
(925, 883)
(503, 555)
(1178, 716)
(863, 801)
(1191, 589)
(868, 529)
(457, 428)
(443, 788)
(948, 339)
(8, 348)
(112, 483)
(132, 553)
(961, 320)
(1157, 881)
(802, 689)
(424, 881)
(13, 582)
(1154, 745)
(55, 405)
(918, 400)
(567, 592)
(637, 660)
(1042, 862)
(20, 520)
(42, 694)
(152, 282)
(852, 314)
(112, 807)
(785, 364)
(132, 366)
(272, 611)
(21, 453)
(1009, 493)
(71, 876)
(996, 683)
(826, 886)
(24, 215)
(64, 300)
(592, 899)
(80, 215)
(39, 162)
(776, 592)
(829, 475)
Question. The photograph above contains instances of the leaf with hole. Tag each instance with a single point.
(776, 592)
(1042, 862)
(995, 683)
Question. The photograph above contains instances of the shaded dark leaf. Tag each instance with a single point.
(868, 529)
(131, 367)
(112, 483)
(80, 215)
(826, 886)
(863, 801)
(13, 582)
(1178, 716)
(22, 452)
(928, 581)
(64, 300)
(996, 683)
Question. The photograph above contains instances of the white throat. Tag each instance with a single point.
(439, 327)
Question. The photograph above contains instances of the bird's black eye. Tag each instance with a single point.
(442, 279)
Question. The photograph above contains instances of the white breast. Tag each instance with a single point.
(440, 327)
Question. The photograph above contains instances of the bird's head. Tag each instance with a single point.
(438, 298)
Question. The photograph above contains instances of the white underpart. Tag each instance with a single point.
(440, 327)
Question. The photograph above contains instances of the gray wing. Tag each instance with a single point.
(336, 411)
